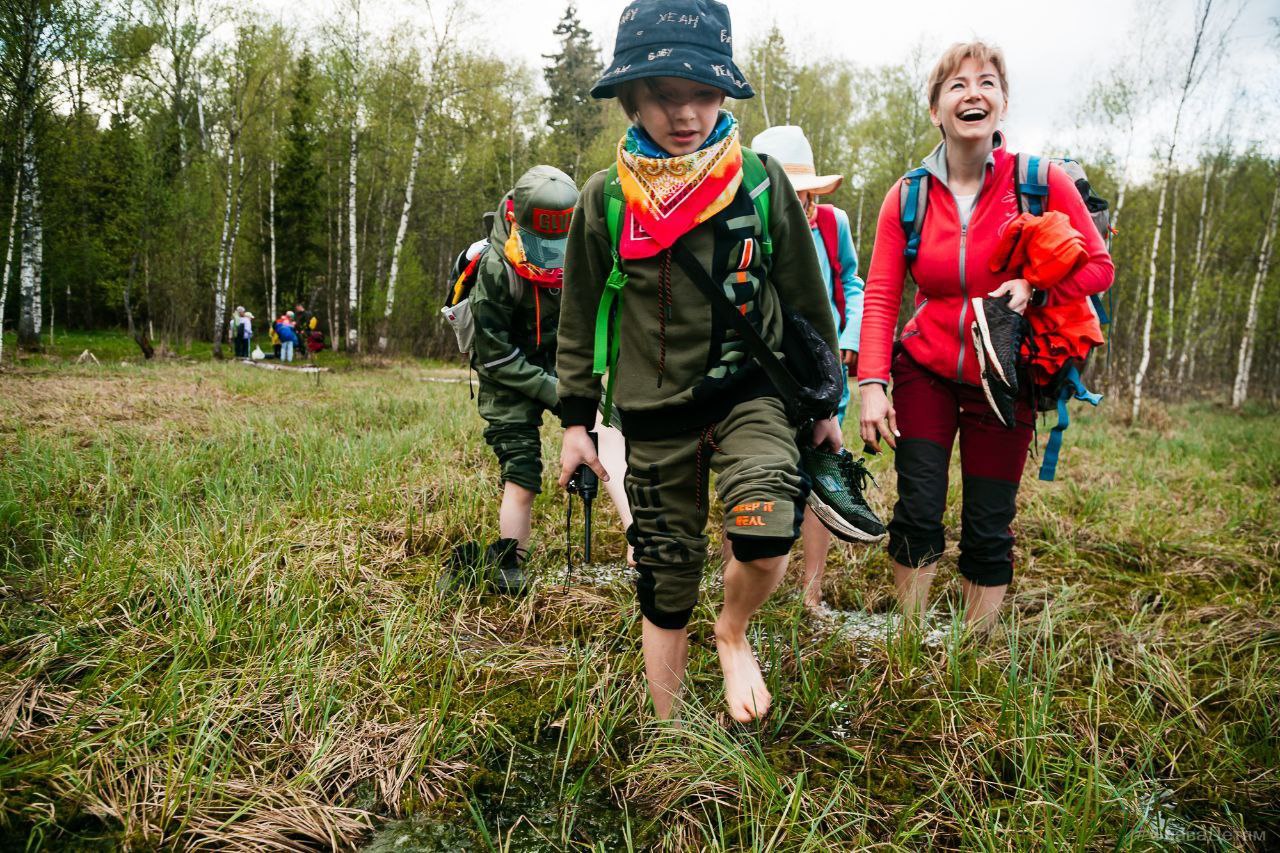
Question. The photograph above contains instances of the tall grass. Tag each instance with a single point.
(220, 629)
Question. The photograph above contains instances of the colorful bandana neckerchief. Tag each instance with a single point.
(542, 279)
(514, 250)
(667, 196)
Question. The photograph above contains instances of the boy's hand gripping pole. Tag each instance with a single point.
(586, 485)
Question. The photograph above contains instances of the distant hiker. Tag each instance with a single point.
(236, 331)
(965, 333)
(288, 337)
(246, 334)
(514, 310)
(838, 259)
(304, 323)
(681, 201)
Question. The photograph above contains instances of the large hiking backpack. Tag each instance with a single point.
(605, 354)
(1031, 183)
(457, 303)
(829, 231)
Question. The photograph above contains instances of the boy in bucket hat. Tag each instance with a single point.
(516, 307)
(683, 192)
(836, 497)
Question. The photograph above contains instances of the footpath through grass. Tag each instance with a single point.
(220, 629)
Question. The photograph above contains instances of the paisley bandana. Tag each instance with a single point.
(667, 196)
(514, 251)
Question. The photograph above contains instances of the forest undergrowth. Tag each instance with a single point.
(220, 629)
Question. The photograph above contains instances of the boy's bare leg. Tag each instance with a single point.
(514, 518)
(981, 605)
(746, 587)
(666, 655)
(613, 455)
(913, 588)
(817, 543)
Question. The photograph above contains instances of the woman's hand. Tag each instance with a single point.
(1019, 290)
(578, 449)
(826, 433)
(878, 420)
(850, 359)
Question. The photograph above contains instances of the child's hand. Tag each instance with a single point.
(826, 434)
(578, 449)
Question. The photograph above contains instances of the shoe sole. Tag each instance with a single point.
(984, 345)
(982, 375)
(837, 525)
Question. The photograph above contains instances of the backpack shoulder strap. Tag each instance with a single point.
(829, 231)
(1032, 177)
(913, 201)
(756, 180)
(605, 351)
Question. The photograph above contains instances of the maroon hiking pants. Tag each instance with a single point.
(930, 411)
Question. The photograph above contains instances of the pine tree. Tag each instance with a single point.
(300, 204)
(574, 117)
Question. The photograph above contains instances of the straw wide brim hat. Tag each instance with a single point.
(787, 144)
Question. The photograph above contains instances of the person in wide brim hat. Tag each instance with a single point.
(788, 145)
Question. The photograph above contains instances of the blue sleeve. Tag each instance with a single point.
(853, 286)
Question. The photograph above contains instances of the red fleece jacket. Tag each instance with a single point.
(952, 267)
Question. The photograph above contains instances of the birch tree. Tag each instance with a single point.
(1189, 333)
(1198, 62)
(1244, 360)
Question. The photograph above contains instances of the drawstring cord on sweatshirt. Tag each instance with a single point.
(664, 310)
(537, 310)
(702, 473)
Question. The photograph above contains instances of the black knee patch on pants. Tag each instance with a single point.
(916, 535)
(986, 542)
(748, 548)
(648, 594)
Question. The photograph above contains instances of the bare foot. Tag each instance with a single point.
(744, 688)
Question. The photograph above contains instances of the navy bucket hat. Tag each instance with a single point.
(692, 39)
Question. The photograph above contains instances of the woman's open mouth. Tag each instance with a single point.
(684, 136)
(973, 115)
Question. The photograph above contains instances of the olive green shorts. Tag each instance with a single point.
(512, 431)
(754, 457)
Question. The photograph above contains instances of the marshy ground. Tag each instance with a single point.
(220, 629)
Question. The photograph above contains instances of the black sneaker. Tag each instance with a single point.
(462, 568)
(997, 336)
(836, 494)
(504, 558)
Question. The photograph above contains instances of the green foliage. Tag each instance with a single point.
(300, 232)
(573, 116)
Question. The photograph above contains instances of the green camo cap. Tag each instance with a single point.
(544, 198)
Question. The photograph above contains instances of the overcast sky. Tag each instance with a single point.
(1054, 50)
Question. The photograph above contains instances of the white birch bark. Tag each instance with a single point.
(1173, 271)
(1189, 335)
(8, 258)
(219, 294)
(404, 226)
(271, 232)
(31, 260)
(1240, 388)
(353, 278)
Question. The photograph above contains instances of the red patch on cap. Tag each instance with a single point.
(552, 221)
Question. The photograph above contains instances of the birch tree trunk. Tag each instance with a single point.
(8, 258)
(353, 278)
(1194, 73)
(1240, 389)
(1189, 335)
(220, 295)
(1173, 270)
(31, 263)
(271, 232)
(403, 229)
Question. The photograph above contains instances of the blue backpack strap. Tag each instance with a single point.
(1072, 388)
(913, 201)
(1033, 183)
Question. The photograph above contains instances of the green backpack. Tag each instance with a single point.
(756, 181)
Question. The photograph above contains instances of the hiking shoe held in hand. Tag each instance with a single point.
(997, 337)
(836, 496)
(504, 561)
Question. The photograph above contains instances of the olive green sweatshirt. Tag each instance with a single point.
(508, 348)
(679, 367)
